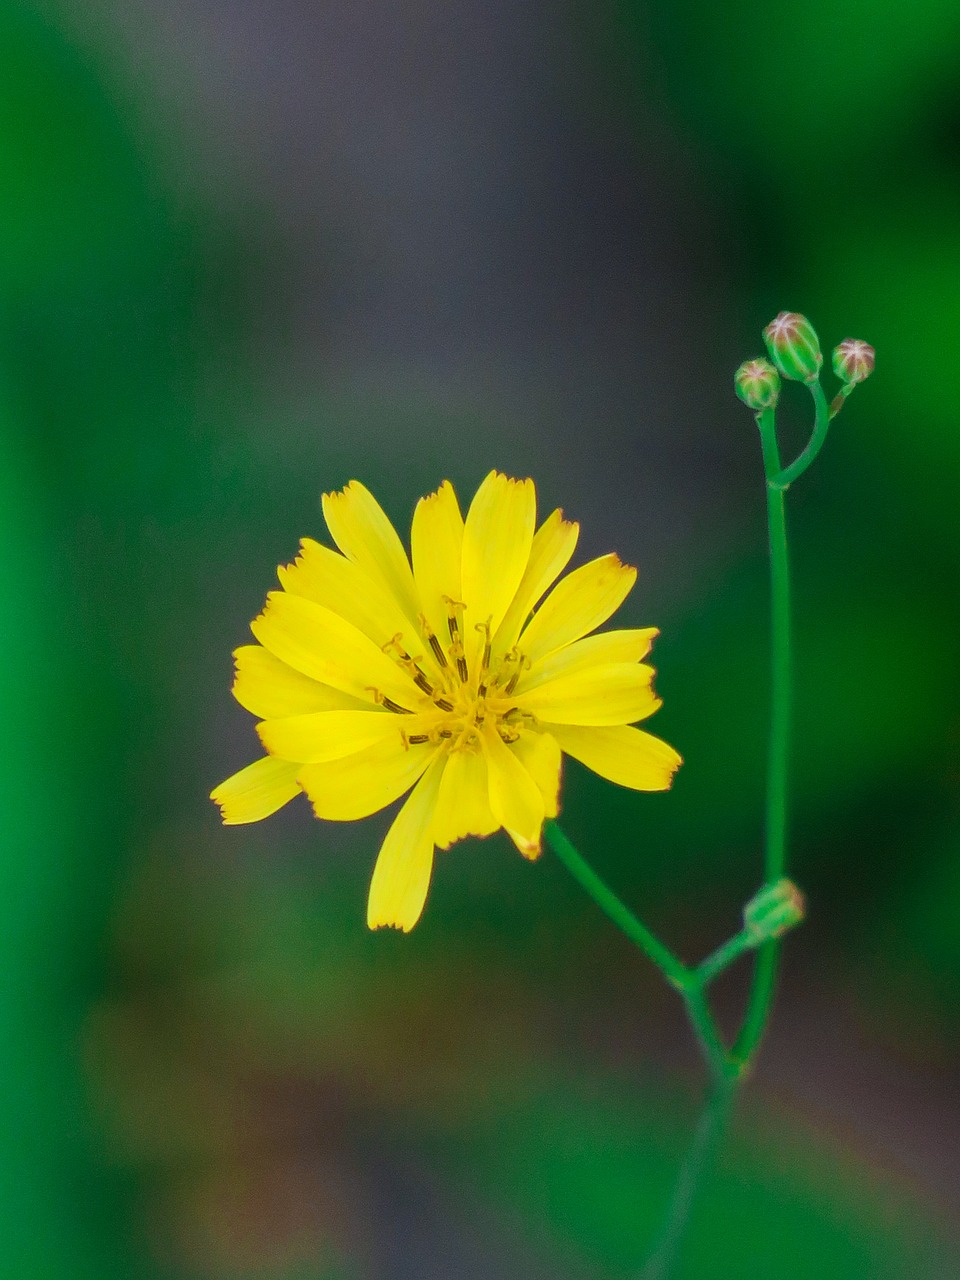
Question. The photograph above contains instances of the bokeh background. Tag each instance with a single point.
(250, 249)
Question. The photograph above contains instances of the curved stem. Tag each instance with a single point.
(782, 479)
(708, 1132)
(673, 969)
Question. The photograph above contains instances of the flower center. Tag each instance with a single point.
(459, 705)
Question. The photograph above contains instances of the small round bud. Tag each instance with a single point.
(774, 910)
(853, 360)
(794, 346)
(757, 383)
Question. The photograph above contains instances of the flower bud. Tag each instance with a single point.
(757, 384)
(853, 360)
(774, 910)
(794, 346)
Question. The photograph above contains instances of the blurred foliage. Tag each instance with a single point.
(212, 1071)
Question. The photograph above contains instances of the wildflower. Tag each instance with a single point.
(372, 677)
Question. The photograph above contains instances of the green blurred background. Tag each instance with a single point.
(250, 249)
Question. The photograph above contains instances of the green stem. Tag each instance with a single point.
(722, 1065)
(676, 973)
(709, 1130)
(782, 479)
(780, 665)
(687, 981)
(765, 972)
(724, 956)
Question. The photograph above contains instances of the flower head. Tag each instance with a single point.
(373, 676)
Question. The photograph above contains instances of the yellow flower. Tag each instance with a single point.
(372, 677)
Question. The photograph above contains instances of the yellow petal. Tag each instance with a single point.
(540, 755)
(332, 580)
(515, 798)
(267, 687)
(496, 547)
(361, 784)
(436, 544)
(579, 603)
(463, 806)
(256, 791)
(553, 545)
(608, 646)
(616, 693)
(629, 757)
(328, 735)
(319, 643)
(360, 528)
(401, 877)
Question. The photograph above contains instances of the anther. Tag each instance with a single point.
(382, 700)
(421, 681)
(484, 628)
(394, 706)
(416, 739)
(432, 640)
(437, 648)
(443, 704)
(524, 664)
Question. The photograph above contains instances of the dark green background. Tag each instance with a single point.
(249, 252)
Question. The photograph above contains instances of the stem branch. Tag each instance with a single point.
(676, 973)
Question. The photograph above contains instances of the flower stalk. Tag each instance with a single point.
(778, 906)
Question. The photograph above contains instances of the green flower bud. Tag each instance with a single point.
(794, 347)
(774, 910)
(757, 384)
(853, 360)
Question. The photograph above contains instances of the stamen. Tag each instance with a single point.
(421, 681)
(382, 700)
(395, 707)
(416, 739)
(455, 610)
(456, 651)
(443, 704)
(432, 640)
(514, 679)
(485, 659)
(437, 648)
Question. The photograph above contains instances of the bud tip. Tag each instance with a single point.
(775, 909)
(757, 383)
(853, 360)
